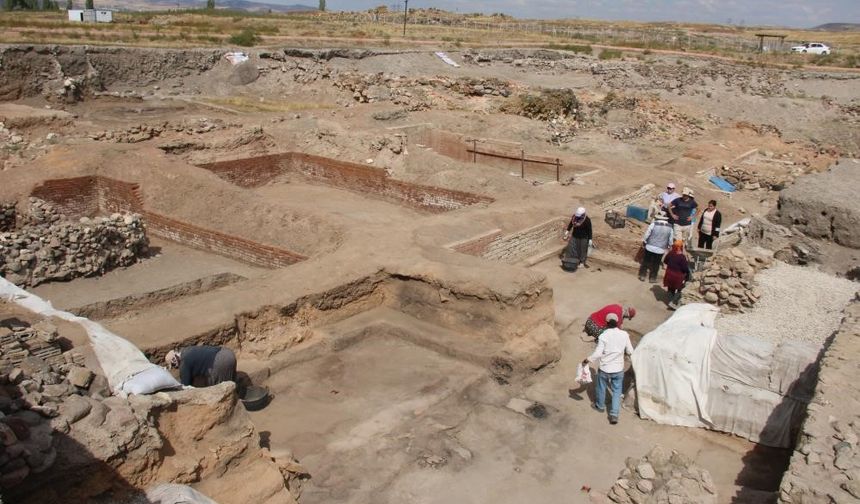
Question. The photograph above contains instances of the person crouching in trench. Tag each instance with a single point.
(203, 365)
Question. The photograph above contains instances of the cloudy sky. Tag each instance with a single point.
(794, 13)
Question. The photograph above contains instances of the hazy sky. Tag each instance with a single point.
(797, 13)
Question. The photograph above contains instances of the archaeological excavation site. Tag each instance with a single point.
(379, 238)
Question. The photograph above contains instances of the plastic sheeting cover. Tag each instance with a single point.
(119, 359)
(672, 365)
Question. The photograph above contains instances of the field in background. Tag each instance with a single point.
(199, 28)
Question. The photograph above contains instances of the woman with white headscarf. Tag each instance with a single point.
(579, 233)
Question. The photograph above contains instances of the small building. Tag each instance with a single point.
(90, 16)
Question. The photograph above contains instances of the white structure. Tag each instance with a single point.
(90, 16)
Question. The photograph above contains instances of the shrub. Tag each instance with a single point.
(550, 103)
(609, 54)
(245, 38)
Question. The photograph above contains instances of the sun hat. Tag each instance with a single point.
(611, 317)
(580, 211)
(670, 185)
(661, 216)
(172, 359)
(630, 312)
(687, 191)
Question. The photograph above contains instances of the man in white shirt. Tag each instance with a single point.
(669, 195)
(612, 345)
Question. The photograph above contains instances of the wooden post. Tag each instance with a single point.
(522, 163)
(557, 169)
(475, 151)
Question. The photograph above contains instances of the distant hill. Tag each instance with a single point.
(245, 5)
(840, 27)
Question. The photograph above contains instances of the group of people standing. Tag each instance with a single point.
(669, 234)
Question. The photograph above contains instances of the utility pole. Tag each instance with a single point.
(405, 13)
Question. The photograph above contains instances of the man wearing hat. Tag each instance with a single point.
(595, 324)
(681, 214)
(208, 365)
(658, 237)
(612, 345)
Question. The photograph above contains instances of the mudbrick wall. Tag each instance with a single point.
(825, 467)
(824, 205)
(255, 172)
(513, 247)
(494, 153)
(86, 196)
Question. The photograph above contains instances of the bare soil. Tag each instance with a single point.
(387, 419)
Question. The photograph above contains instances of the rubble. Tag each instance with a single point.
(728, 280)
(143, 132)
(36, 396)
(8, 213)
(661, 476)
(824, 466)
(46, 246)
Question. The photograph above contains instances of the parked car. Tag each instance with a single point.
(812, 48)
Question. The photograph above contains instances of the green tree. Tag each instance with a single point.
(69, 5)
(210, 4)
(89, 5)
(322, 5)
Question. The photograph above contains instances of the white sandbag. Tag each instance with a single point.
(119, 358)
(150, 381)
(169, 493)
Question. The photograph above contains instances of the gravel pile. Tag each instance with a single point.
(796, 303)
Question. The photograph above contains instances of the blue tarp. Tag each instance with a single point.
(638, 213)
(722, 183)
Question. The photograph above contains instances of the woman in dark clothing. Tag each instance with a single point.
(579, 232)
(709, 225)
(677, 272)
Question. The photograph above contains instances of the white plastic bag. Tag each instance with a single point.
(583, 374)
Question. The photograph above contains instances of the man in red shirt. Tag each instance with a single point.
(596, 322)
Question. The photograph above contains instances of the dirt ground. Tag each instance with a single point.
(388, 420)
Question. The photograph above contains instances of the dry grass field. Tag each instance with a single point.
(218, 28)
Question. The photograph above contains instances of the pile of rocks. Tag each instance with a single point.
(143, 132)
(371, 88)
(751, 177)
(728, 280)
(42, 390)
(661, 476)
(7, 215)
(49, 247)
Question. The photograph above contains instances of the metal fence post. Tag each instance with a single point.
(557, 169)
(475, 151)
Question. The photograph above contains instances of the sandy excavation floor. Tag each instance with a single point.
(386, 420)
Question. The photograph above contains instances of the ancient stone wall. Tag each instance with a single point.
(49, 247)
(87, 196)
(825, 466)
(515, 246)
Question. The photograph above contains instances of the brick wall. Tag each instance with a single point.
(513, 247)
(88, 196)
(494, 153)
(255, 172)
(75, 197)
(250, 172)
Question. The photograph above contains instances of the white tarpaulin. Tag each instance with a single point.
(672, 365)
(447, 59)
(119, 359)
(688, 374)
